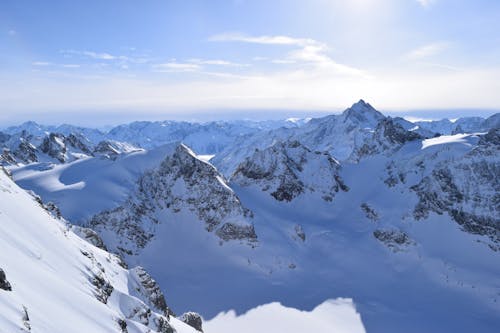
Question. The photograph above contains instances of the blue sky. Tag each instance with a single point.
(119, 58)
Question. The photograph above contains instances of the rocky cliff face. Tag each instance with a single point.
(182, 183)
(288, 169)
(461, 183)
(387, 137)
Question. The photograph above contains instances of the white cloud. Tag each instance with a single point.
(101, 56)
(12, 32)
(70, 65)
(270, 40)
(41, 63)
(427, 51)
(176, 67)
(307, 52)
(216, 62)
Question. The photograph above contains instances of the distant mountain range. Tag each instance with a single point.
(401, 217)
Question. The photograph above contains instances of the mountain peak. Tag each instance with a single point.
(362, 112)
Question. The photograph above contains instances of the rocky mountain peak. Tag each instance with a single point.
(363, 113)
(182, 183)
(288, 169)
(54, 146)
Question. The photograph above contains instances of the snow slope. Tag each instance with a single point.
(61, 283)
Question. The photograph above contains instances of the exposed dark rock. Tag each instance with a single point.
(230, 231)
(163, 326)
(25, 152)
(148, 288)
(395, 240)
(90, 236)
(387, 137)
(106, 148)
(53, 209)
(103, 289)
(192, 319)
(123, 325)
(284, 171)
(4, 284)
(370, 213)
(54, 146)
(79, 142)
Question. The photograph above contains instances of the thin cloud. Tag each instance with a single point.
(269, 40)
(427, 51)
(176, 67)
(12, 32)
(41, 63)
(308, 51)
(216, 62)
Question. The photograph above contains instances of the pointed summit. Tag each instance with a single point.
(363, 113)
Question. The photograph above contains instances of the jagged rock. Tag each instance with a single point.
(4, 284)
(370, 213)
(106, 148)
(123, 325)
(90, 236)
(193, 319)
(7, 158)
(25, 152)
(288, 169)
(54, 146)
(53, 209)
(79, 142)
(231, 231)
(103, 289)
(387, 137)
(395, 240)
(112, 149)
(148, 288)
(163, 326)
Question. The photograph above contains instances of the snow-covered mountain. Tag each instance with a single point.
(288, 170)
(461, 125)
(51, 280)
(355, 205)
(343, 136)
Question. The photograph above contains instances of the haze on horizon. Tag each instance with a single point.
(86, 61)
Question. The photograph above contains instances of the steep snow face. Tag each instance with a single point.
(60, 283)
(181, 183)
(287, 170)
